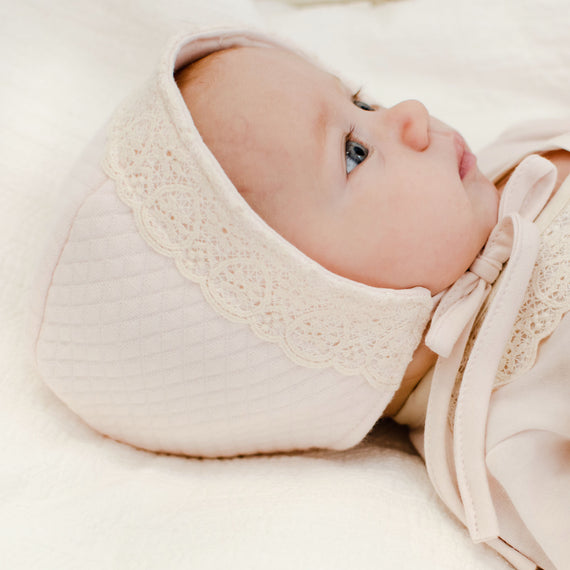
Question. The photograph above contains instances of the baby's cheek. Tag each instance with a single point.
(457, 252)
(488, 206)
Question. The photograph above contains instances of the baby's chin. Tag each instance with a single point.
(447, 276)
(485, 196)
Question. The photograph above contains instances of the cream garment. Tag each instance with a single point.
(511, 489)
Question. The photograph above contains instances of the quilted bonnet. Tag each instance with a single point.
(173, 318)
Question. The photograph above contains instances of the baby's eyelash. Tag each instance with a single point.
(356, 100)
(355, 152)
(356, 96)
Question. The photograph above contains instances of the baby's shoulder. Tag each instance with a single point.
(539, 136)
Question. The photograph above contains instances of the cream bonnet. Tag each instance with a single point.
(173, 318)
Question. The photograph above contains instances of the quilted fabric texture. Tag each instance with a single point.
(131, 346)
(72, 499)
(177, 320)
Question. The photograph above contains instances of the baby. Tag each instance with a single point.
(327, 252)
(388, 197)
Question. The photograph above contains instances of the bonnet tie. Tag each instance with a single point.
(460, 478)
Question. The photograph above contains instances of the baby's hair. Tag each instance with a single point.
(195, 73)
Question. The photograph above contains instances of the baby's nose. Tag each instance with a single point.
(411, 119)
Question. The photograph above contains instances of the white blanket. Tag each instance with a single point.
(70, 498)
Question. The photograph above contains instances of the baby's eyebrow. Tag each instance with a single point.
(323, 139)
(320, 126)
(342, 85)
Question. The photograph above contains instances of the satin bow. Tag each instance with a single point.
(461, 478)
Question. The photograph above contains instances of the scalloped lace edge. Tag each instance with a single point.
(246, 271)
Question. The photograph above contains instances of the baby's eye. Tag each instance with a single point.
(363, 105)
(355, 154)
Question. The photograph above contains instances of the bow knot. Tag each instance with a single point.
(525, 194)
(486, 268)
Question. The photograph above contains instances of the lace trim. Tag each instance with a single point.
(547, 299)
(186, 209)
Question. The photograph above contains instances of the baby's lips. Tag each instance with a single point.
(466, 160)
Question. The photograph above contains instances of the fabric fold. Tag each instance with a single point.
(461, 479)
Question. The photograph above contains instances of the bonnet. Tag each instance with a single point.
(173, 318)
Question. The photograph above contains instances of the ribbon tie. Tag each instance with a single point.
(461, 478)
(524, 196)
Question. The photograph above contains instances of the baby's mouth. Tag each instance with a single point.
(466, 160)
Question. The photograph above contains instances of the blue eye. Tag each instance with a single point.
(362, 105)
(355, 154)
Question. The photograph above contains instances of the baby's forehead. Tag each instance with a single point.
(256, 109)
(272, 68)
(241, 88)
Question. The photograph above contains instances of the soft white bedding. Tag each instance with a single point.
(70, 498)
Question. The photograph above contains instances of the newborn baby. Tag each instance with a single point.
(254, 259)
(341, 178)
(390, 197)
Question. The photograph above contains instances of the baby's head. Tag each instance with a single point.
(246, 262)
(389, 197)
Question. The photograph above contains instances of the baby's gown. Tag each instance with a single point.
(522, 464)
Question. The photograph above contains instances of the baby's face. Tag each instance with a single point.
(390, 197)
